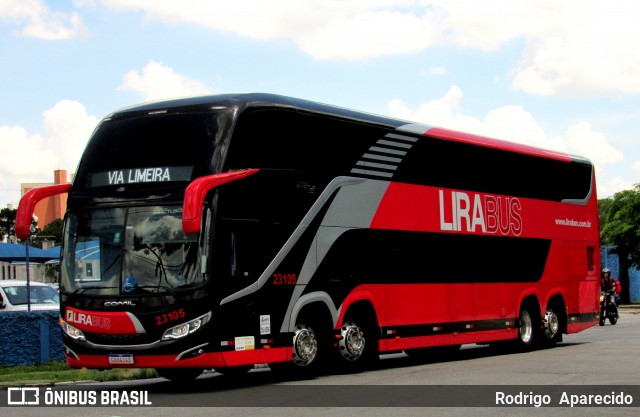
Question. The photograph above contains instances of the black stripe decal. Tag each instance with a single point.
(583, 318)
(433, 329)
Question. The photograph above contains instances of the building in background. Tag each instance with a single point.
(51, 208)
(43, 264)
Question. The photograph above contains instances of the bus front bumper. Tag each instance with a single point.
(197, 359)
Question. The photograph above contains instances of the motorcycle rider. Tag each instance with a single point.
(609, 288)
(608, 283)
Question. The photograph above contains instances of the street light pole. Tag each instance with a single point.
(26, 249)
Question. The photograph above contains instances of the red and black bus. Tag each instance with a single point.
(232, 230)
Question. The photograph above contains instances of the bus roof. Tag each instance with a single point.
(254, 100)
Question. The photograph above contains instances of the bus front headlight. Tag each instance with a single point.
(72, 332)
(181, 330)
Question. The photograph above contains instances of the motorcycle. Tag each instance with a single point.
(608, 307)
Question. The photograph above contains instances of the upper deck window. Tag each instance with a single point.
(150, 150)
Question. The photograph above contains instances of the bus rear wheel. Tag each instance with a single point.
(553, 325)
(528, 327)
(352, 341)
(358, 338)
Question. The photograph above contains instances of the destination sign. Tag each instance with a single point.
(139, 176)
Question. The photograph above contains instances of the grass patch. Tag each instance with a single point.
(61, 372)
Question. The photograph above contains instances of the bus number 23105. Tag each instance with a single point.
(285, 279)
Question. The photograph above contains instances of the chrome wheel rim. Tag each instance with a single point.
(352, 341)
(526, 327)
(552, 324)
(305, 345)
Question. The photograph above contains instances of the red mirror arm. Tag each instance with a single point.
(28, 203)
(196, 192)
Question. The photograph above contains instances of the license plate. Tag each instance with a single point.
(121, 359)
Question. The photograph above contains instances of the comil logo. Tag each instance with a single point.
(23, 396)
(127, 303)
(478, 213)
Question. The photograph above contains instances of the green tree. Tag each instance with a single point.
(604, 205)
(620, 227)
(52, 231)
(8, 224)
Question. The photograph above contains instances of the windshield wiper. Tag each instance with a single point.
(157, 288)
(82, 290)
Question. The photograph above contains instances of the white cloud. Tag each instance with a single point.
(368, 34)
(37, 20)
(438, 71)
(157, 81)
(513, 123)
(595, 56)
(32, 157)
(325, 29)
(68, 127)
(443, 112)
(609, 188)
(593, 145)
(573, 47)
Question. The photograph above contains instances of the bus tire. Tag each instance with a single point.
(305, 345)
(312, 339)
(179, 374)
(352, 342)
(528, 326)
(554, 326)
(357, 345)
(359, 337)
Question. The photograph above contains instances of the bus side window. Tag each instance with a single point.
(243, 258)
(233, 260)
(240, 256)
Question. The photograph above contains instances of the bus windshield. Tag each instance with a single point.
(129, 251)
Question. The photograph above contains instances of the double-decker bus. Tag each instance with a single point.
(232, 230)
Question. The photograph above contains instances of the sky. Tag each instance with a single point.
(562, 75)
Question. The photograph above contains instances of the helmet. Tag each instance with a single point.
(604, 271)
